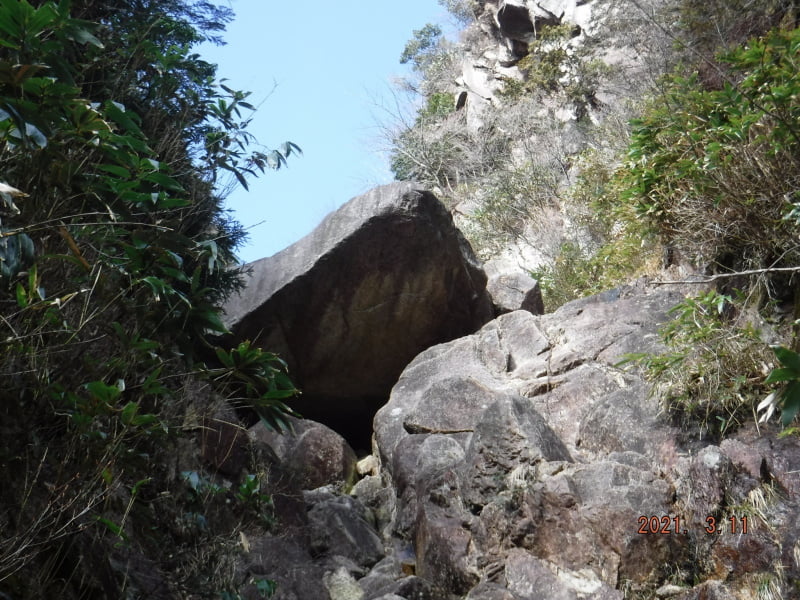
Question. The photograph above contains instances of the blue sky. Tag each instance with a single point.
(319, 71)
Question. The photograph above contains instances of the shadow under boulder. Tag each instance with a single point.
(350, 305)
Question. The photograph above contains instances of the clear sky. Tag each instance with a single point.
(319, 70)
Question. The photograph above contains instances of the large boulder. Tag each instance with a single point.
(350, 305)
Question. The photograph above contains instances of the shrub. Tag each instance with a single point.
(787, 397)
(605, 243)
(713, 170)
(555, 66)
(116, 253)
(712, 374)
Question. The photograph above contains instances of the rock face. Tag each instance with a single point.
(505, 30)
(378, 281)
(523, 461)
(514, 459)
(520, 462)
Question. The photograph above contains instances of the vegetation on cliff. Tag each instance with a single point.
(115, 254)
(695, 166)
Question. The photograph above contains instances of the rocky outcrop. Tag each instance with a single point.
(378, 281)
(522, 462)
(502, 35)
(527, 464)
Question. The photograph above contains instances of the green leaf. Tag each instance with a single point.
(124, 118)
(791, 402)
(152, 384)
(116, 170)
(265, 587)
(137, 486)
(141, 420)
(22, 297)
(82, 35)
(103, 392)
(278, 394)
(787, 357)
(165, 202)
(224, 357)
(129, 412)
(157, 286)
(211, 320)
(113, 527)
(164, 181)
(784, 374)
(176, 274)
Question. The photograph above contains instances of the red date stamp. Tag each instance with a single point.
(666, 525)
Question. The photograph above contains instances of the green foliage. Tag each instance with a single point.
(437, 105)
(706, 26)
(259, 378)
(250, 495)
(439, 150)
(712, 170)
(788, 396)
(462, 10)
(713, 371)
(115, 254)
(433, 59)
(265, 588)
(514, 198)
(569, 276)
(422, 47)
(553, 65)
(616, 246)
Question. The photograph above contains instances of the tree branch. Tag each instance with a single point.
(725, 275)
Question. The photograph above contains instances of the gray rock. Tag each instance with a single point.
(378, 499)
(445, 553)
(515, 21)
(519, 461)
(615, 495)
(529, 579)
(604, 327)
(515, 291)
(490, 591)
(423, 459)
(447, 388)
(625, 420)
(509, 441)
(350, 305)
(338, 526)
(314, 454)
(479, 436)
(380, 577)
(341, 585)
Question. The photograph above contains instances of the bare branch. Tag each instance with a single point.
(726, 275)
